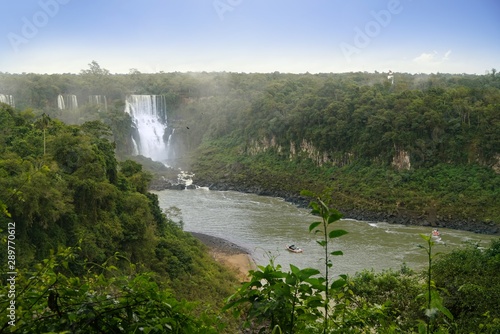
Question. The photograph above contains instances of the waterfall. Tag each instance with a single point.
(136, 148)
(72, 102)
(149, 117)
(9, 99)
(99, 101)
(60, 102)
(170, 151)
(69, 102)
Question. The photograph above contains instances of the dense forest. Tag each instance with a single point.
(95, 253)
(421, 148)
(79, 220)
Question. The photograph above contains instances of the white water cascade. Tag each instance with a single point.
(170, 151)
(67, 102)
(9, 99)
(100, 101)
(60, 102)
(149, 117)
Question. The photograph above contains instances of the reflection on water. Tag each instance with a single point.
(265, 225)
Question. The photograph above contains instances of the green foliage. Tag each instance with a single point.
(433, 306)
(394, 292)
(328, 216)
(76, 193)
(53, 299)
(444, 192)
(299, 301)
(137, 179)
(259, 131)
(272, 133)
(470, 275)
(273, 298)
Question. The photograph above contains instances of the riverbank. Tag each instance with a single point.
(233, 256)
(393, 211)
(402, 216)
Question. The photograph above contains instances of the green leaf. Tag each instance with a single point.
(314, 225)
(322, 243)
(425, 236)
(308, 272)
(291, 279)
(307, 193)
(323, 205)
(295, 270)
(334, 216)
(3, 209)
(277, 330)
(315, 303)
(336, 233)
(446, 312)
(337, 253)
(338, 283)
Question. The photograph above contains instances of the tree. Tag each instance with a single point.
(43, 123)
(95, 69)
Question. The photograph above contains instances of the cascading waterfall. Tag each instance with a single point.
(170, 151)
(72, 102)
(68, 102)
(60, 102)
(99, 101)
(9, 99)
(149, 117)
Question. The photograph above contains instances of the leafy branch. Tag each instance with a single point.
(434, 302)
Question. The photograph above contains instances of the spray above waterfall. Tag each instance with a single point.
(151, 136)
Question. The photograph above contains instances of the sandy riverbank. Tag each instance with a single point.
(229, 254)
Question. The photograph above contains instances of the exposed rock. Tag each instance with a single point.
(160, 184)
(496, 166)
(401, 160)
(399, 217)
(305, 148)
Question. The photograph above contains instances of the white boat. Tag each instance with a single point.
(436, 235)
(293, 249)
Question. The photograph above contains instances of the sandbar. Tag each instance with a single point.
(234, 257)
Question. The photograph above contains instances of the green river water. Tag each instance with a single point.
(265, 225)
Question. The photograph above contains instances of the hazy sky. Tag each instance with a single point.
(429, 36)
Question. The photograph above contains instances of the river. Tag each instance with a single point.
(265, 225)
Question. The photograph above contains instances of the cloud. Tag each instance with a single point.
(447, 55)
(432, 60)
(426, 58)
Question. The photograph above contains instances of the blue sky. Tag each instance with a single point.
(415, 36)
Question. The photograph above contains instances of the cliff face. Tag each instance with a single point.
(496, 166)
(305, 148)
(390, 188)
(400, 160)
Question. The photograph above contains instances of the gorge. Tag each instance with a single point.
(423, 150)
